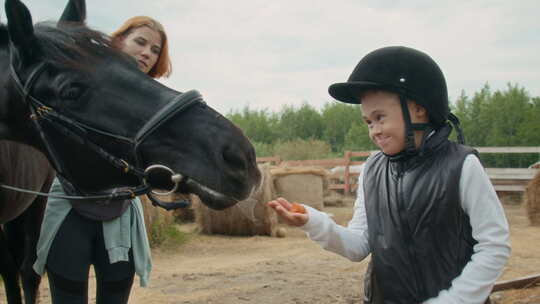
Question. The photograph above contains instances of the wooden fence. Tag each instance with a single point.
(510, 179)
(503, 179)
(339, 180)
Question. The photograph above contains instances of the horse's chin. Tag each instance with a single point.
(209, 197)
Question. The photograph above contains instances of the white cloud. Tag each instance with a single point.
(270, 53)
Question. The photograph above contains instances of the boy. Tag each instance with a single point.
(425, 210)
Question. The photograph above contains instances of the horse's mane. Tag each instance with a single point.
(72, 45)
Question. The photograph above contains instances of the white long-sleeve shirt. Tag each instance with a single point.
(489, 229)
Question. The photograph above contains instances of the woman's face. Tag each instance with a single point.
(143, 44)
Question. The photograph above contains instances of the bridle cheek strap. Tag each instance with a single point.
(179, 103)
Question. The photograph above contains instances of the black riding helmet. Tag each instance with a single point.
(411, 74)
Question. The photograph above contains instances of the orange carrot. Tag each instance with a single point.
(297, 208)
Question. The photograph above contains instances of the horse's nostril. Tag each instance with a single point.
(234, 159)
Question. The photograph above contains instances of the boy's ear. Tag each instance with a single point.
(419, 112)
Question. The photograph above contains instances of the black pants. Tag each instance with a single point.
(77, 245)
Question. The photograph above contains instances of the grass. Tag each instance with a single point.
(167, 236)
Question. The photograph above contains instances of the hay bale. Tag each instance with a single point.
(183, 215)
(333, 200)
(155, 218)
(532, 200)
(305, 185)
(249, 217)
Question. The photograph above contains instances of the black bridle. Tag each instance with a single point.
(75, 130)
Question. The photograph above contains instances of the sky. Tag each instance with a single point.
(267, 54)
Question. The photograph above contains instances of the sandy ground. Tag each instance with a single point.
(264, 270)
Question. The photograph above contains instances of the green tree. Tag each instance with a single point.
(507, 117)
(258, 125)
(302, 149)
(473, 116)
(338, 119)
(503, 118)
(528, 133)
(507, 112)
(262, 149)
(302, 123)
(357, 139)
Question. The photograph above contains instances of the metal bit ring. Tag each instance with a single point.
(175, 178)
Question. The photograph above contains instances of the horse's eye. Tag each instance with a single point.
(72, 92)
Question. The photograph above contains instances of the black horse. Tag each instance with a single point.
(102, 123)
(20, 214)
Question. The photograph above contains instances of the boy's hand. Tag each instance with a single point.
(292, 215)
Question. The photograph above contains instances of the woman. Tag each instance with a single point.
(111, 237)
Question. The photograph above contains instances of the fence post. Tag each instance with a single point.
(346, 175)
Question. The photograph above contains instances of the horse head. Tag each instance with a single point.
(80, 101)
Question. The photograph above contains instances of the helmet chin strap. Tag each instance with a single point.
(455, 122)
(410, 143)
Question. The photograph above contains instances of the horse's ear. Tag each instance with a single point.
(75, 11)
(21, 28)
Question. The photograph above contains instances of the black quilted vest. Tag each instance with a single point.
(419, 235)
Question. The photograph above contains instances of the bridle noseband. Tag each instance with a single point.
(78, 131)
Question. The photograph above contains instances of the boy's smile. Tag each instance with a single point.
(382, 140)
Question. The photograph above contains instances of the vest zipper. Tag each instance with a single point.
(407, 233)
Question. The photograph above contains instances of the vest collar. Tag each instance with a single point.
(430, 143)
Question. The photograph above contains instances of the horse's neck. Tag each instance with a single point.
(17, 159)
(4, 64)
(4, 78)
(4, 53)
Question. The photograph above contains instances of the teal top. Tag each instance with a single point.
(120, 234)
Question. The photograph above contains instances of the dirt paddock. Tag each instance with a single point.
(264, 270)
